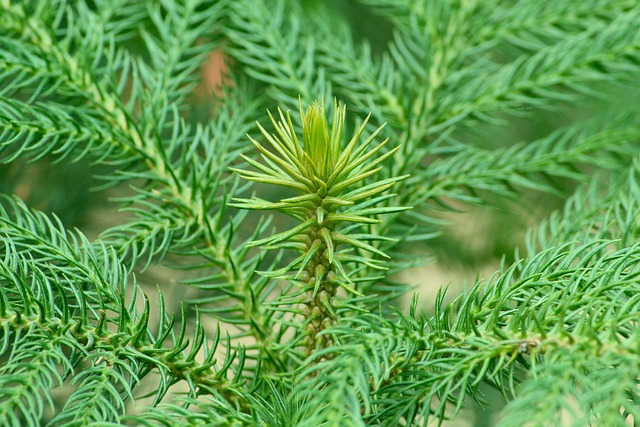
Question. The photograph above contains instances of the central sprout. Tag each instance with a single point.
(337, 202)
(321, 148)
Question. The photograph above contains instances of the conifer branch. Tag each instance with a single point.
(56, 290)
(180, 206)
(329, 181)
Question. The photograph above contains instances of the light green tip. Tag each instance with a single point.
(321, 146)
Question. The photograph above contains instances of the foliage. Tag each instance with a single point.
(289, 317)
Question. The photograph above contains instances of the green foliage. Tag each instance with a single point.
(295, 317)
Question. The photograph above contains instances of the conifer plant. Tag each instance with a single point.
(180, 249)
